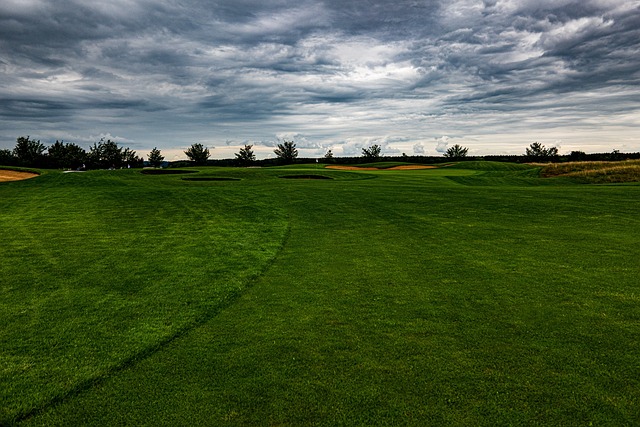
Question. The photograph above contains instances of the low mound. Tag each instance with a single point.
(352, 168)
(11, 175)
(166, 171)
(411, 167)
(210, 178)
(305, 177)
(369, 168)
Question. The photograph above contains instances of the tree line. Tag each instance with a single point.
(286, 153)
(107, 154)
(104, 154)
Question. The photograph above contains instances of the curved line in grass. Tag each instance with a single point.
(133, 359)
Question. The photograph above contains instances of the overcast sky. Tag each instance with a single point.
(413, 76)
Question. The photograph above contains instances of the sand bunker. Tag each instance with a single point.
(395, 168)
(8, 175)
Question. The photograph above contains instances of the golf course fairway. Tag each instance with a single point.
(472, 294)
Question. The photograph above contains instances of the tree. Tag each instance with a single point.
(69, 156)
(246, 156)
(105, 154)
(75, 156)
(198, 154)
(577, 156)
(615, 155)
(7, 158)
(372, 153)
(328, 157)
(57, 154)
(29, 152)
(155, 157)
(538, 151)
(130, 158)
(456, 152)
(286, 152)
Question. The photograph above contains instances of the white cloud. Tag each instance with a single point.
(441, 144)
(325, 74)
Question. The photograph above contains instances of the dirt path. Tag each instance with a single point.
(9, 175)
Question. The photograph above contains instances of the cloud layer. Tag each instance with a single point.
(492, 75)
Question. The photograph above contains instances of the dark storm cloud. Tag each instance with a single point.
(332, 73)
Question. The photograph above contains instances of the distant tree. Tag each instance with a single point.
(56, 154)
(286, 152)
(130, 159)
(69, 156)
(75, 156)
(372, 153)
(198, 154)
(615, 155)
(538, 151)
(7, 158)
(29, 152)
(577, 156)
(155, 157)
(105, 154)
(111, 153)
(456, 152)
(328, 157)
(94, 156)
(246, 156)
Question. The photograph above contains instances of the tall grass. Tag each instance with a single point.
(596, 172)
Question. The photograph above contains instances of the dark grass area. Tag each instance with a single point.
(408, 299)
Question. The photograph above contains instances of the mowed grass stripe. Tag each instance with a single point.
(102, 267)
(409, 299)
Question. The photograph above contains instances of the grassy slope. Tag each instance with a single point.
(409, 299)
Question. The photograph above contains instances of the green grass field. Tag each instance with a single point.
(476, 294)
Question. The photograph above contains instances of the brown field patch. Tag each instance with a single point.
(9, 175)
(397, 168)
